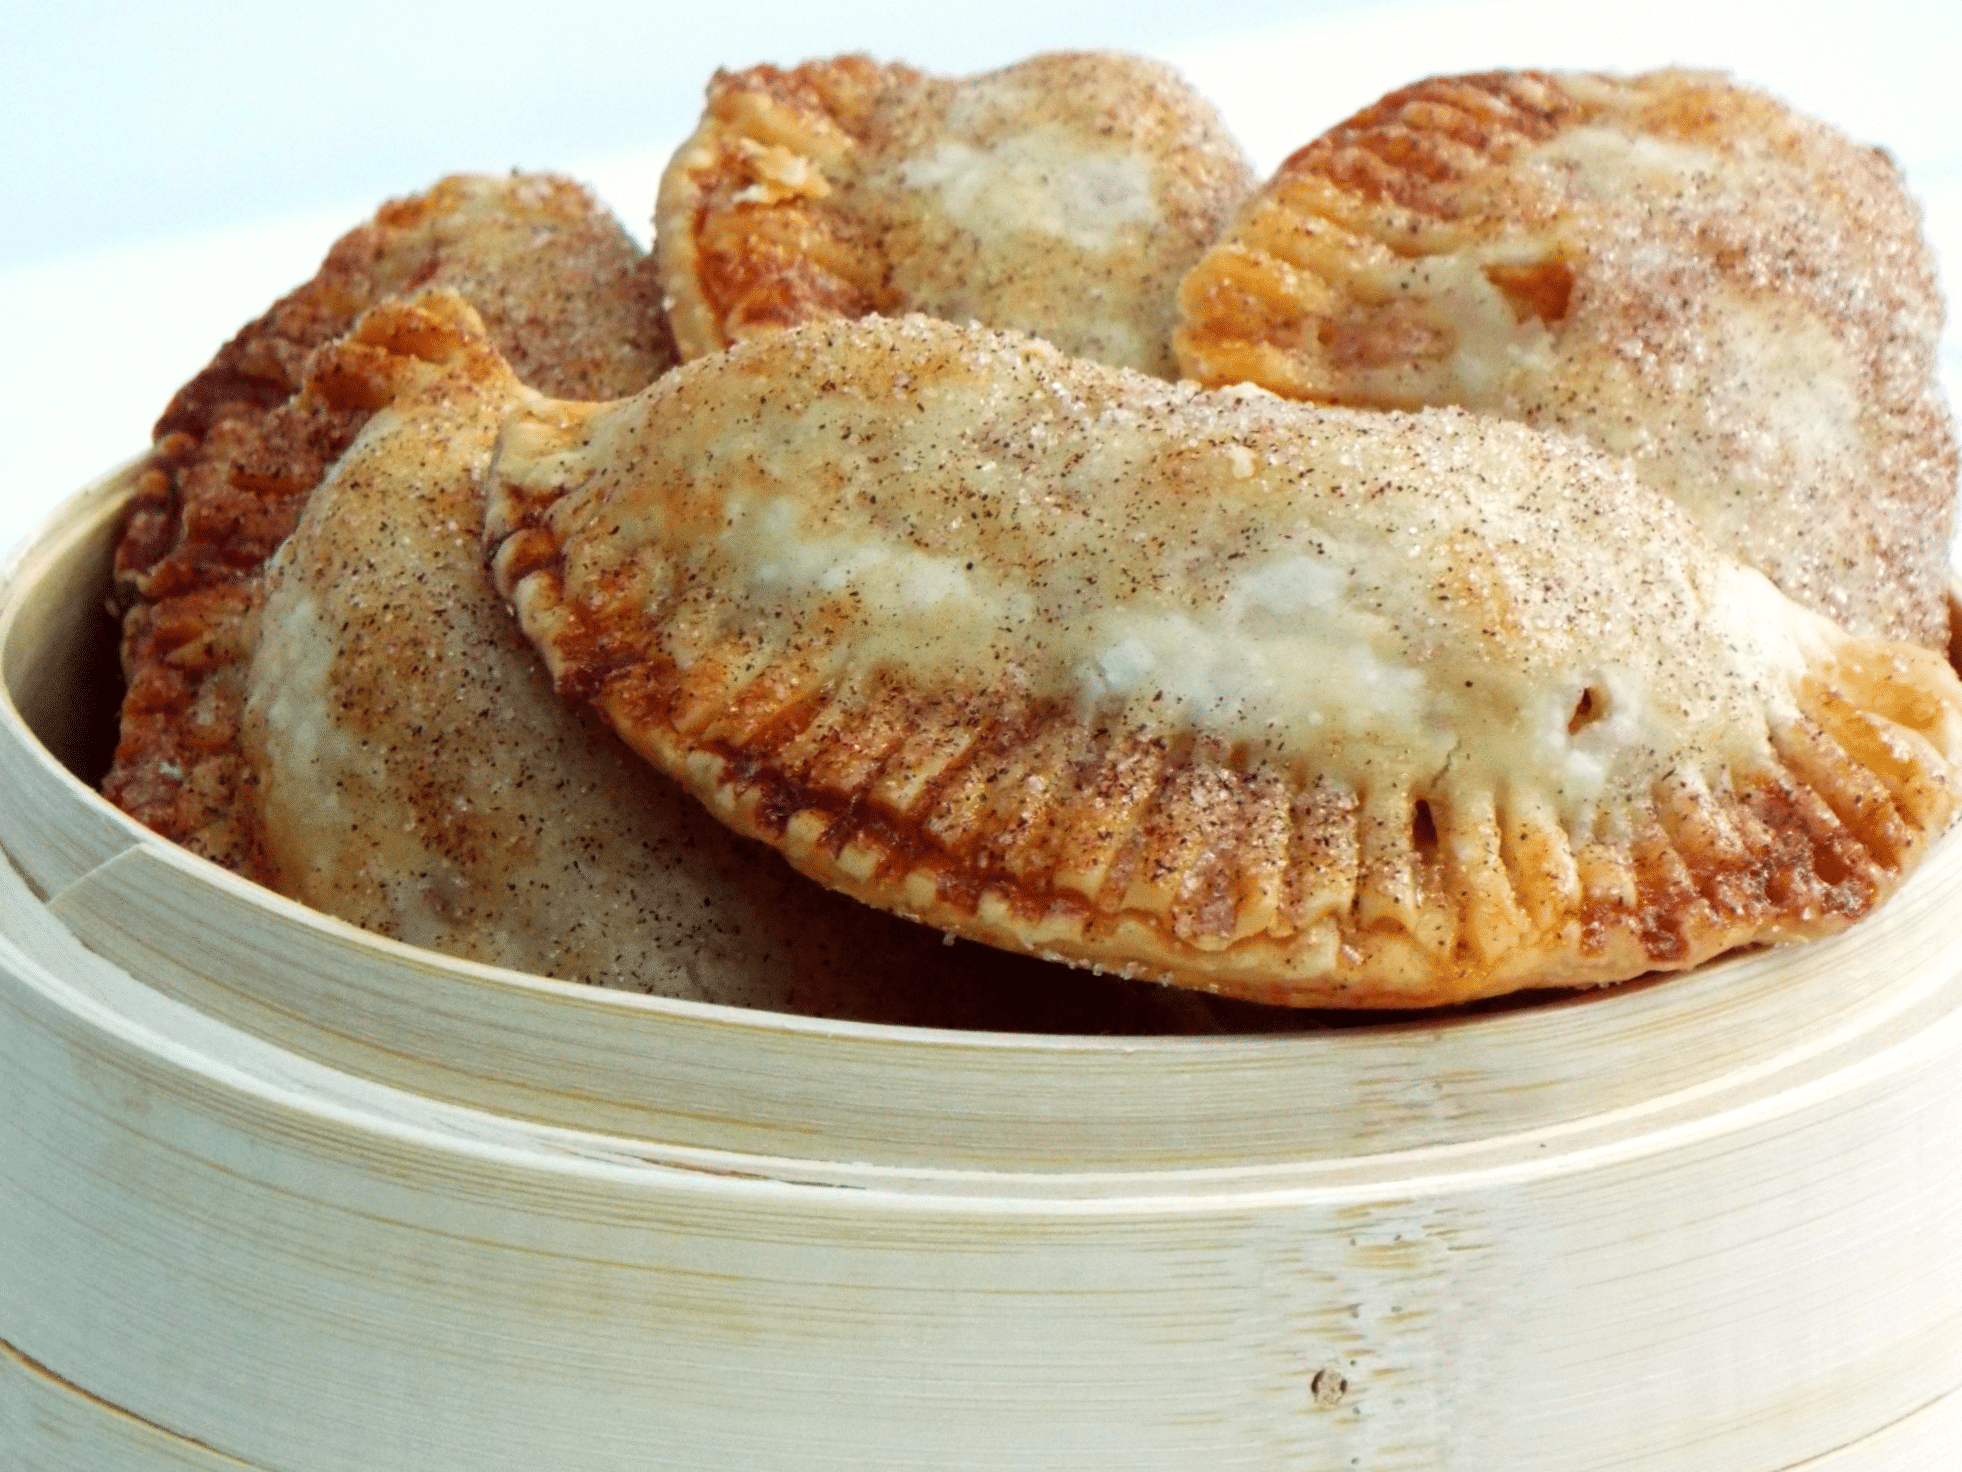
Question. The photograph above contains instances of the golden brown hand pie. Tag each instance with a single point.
(1064, 196)
(566, 294)
(1300, 704)
(1673, 267)
(416, 775)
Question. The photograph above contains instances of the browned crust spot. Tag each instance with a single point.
(766, 254)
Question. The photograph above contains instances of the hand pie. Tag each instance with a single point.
(1064, 196)
(414, 773)
(1671, 266)
(567, 295)
(1302, 705)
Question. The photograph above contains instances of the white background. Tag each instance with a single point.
(171, 168)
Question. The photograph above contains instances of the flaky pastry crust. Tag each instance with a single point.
(1301, 705)
(1674, 267)
(1064, 196)
(416, 774)
(567, 296)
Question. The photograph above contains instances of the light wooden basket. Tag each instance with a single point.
(276, 1194)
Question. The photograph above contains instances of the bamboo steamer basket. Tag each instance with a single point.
(276, 1194)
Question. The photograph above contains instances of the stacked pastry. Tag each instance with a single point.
(1538, 580)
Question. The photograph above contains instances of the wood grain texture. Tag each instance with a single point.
(322, 1203)
(48, 1425)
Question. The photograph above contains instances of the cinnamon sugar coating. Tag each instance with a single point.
(1294, 704)
(568, 297)
(1064, 196)
(416, 774)
(1674, 267)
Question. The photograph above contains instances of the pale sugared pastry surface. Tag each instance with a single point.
(415, 773)
(1064, 196)
(567, 296)
(1300, 704)
(1676, 268)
